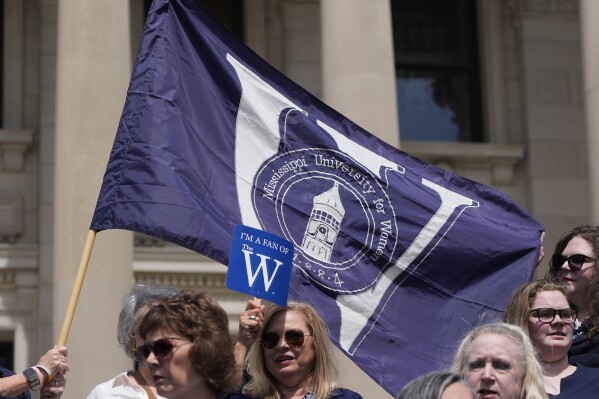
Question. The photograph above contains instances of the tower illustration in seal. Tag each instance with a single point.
(324, 223)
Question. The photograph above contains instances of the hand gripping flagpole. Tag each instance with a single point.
(68, 318)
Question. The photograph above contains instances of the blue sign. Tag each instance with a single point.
(260, 264)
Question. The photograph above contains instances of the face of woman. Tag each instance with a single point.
(578, 281)
(493, 367)
(551, 339)
(173, 374)
(290, 366)
(457, 390)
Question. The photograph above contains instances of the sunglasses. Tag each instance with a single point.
(293, 337)
(574, 261)
(547, 315)
(161, 348)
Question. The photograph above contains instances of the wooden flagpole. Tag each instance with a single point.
(68, 318)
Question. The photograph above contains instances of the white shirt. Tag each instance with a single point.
(120, 386)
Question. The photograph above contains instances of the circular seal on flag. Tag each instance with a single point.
(335, 212)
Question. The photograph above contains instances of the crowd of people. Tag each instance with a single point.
(547, 346)
(548, 343)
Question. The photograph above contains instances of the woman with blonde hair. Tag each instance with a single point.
(293, 358)
(498, 360)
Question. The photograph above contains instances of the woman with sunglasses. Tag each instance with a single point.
(541, 309)
(187, 347)
(574, 262)
(293, 358)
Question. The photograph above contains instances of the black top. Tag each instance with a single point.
(582, 384)
(4, 372)
(339, 393)
(585, 351)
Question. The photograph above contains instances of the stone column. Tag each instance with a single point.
(93, 70)
(358, 80)
(589, 9)
(358, 64)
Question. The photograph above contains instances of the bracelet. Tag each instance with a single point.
(47, 370)
(32, 375)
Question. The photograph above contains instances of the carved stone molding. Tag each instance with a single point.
(18, 269)
(7, 279)
(201, 281)
(550, 6)
(178, 267)
(143, 240)
(13, 146)
(18, 257)
(499, 160)
(11, 218)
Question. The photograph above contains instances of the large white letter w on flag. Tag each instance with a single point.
(257, 128)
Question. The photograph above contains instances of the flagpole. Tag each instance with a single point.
(68, 318)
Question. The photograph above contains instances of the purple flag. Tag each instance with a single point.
(400, 258)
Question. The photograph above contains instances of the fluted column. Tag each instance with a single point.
(358, 64)
(93, 69)
(358, 80)
(589, 12)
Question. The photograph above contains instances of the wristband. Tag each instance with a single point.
(47, 370)
(32, 378)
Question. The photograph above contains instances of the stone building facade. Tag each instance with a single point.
(65, 70)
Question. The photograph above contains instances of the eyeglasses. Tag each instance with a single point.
(574, 261)
(293, 337)
(547, 315)
(161, 348)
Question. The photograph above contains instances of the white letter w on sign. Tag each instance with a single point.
(252, 275)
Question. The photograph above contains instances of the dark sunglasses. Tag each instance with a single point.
(547, 315)
(574, 261)
(293, 337)
(161, 348)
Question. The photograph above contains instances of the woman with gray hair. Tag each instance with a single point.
(498, 360)
(133, 384)
(439, 385)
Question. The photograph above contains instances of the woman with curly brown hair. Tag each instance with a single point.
(574, 262)
(585, 348)
(188, 347)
